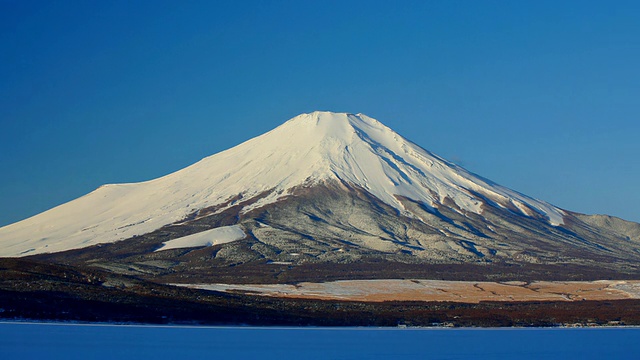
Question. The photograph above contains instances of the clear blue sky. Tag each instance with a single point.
(539, 96)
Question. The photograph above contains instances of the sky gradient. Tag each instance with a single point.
(540, 96)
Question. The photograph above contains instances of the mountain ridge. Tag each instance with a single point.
(434, 209)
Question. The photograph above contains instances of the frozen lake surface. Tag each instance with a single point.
(59, 341)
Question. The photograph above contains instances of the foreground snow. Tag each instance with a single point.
(306, 150)
(438, 290)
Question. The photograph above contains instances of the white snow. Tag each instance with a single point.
(217, 236)
(305, 150)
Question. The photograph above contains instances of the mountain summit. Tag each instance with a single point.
(322, 187)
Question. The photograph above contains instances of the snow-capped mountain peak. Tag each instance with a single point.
(304, 151)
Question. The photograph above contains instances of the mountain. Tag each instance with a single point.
(322, 191)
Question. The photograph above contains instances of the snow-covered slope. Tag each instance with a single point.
(306, 150)
(216, 236)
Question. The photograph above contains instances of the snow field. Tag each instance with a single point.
(306, 150)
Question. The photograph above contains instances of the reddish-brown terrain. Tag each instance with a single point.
(437, 290)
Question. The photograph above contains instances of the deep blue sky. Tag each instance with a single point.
(539, 96)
